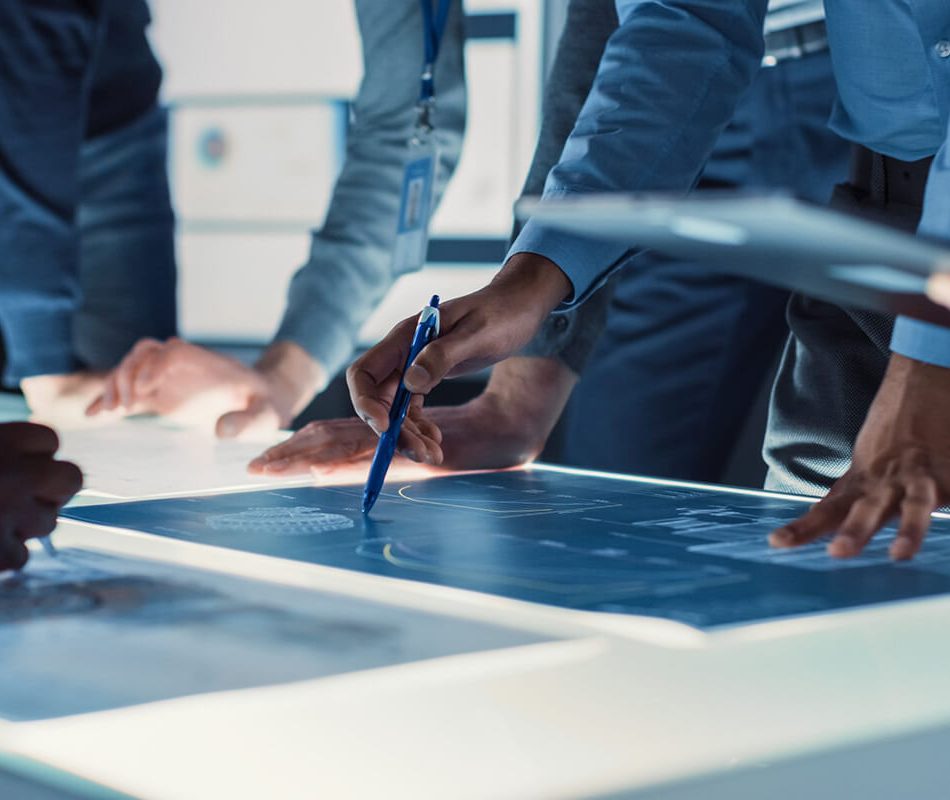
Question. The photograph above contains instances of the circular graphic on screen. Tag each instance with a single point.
(296, 521)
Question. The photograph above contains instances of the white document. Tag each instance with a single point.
(146, 457)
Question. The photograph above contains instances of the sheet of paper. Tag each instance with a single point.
(692, 554)
(144, 457)
(90, 631)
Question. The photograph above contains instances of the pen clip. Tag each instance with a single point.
(427, 314)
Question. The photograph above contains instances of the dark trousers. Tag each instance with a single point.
(835, 357)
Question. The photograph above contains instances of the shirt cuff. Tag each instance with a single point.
(586, 262)
(921, 341)
(311, 323)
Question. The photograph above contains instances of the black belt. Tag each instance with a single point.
(889, 180)
(796, 42)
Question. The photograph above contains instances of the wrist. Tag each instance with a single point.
(293, 377)
(529, 393)
(537, 277)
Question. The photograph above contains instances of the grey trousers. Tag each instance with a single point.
(833, 364)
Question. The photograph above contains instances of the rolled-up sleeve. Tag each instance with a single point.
(350, 267)
(912, 338)
(668, 83)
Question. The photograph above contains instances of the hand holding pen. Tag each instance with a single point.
(426, 330)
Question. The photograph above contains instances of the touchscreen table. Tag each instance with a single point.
(598, 543)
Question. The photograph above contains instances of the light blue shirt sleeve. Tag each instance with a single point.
(925, 341)
(668, 83)
(350, 267)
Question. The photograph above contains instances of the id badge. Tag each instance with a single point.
(415, 208)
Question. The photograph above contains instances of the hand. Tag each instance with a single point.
(182, 379)
(33, 487)
(938, 288)
(507, 425)
(62, 398)
(900, 468)
(330, 445)
(476, 330)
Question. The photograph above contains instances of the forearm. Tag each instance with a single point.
(349, 269)
(510, 421)
(924, 341)
(292, 374)
(668, 83)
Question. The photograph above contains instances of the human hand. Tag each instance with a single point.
(900, 468)
(477, 330)
(61, 398)
(185, 380)
(507, 425)
(327, 446)
(33, 487)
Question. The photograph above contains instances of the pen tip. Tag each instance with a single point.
(434, 302)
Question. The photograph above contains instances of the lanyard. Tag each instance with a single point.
(435, 15)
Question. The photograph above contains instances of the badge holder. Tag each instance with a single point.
(416, 197)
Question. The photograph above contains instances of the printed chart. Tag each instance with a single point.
(593, 543)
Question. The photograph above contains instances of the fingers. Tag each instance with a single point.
(918, 503)
(126, 374)
(417, 445)
(40, 521)
(427, 427)
(823, 518)
(57, 483)
(119, 385)
(13, 553)
(324, 444)
(28, 438)
(370, 377)
(469, 345)
(868, 514)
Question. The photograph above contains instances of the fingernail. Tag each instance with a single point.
(428, 459)
(902, 549)
(372, 424)
(417, 378)
(257, 463)
(411, 455)
(278, 465)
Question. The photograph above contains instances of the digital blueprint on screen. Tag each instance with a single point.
(694, 555)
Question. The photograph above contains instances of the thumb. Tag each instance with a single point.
(465, 348)
(259, 413)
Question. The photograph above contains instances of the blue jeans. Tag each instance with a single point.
(685, 350)
(86, 226)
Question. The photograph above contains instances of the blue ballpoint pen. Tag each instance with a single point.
(426, 331)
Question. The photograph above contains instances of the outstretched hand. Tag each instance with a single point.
(179, 378)
(900, 468)
(477, 330)
(507, 425)
(33, 488)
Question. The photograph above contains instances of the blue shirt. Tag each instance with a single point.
(669, 82)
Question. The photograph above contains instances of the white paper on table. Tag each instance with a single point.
(146, 457)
